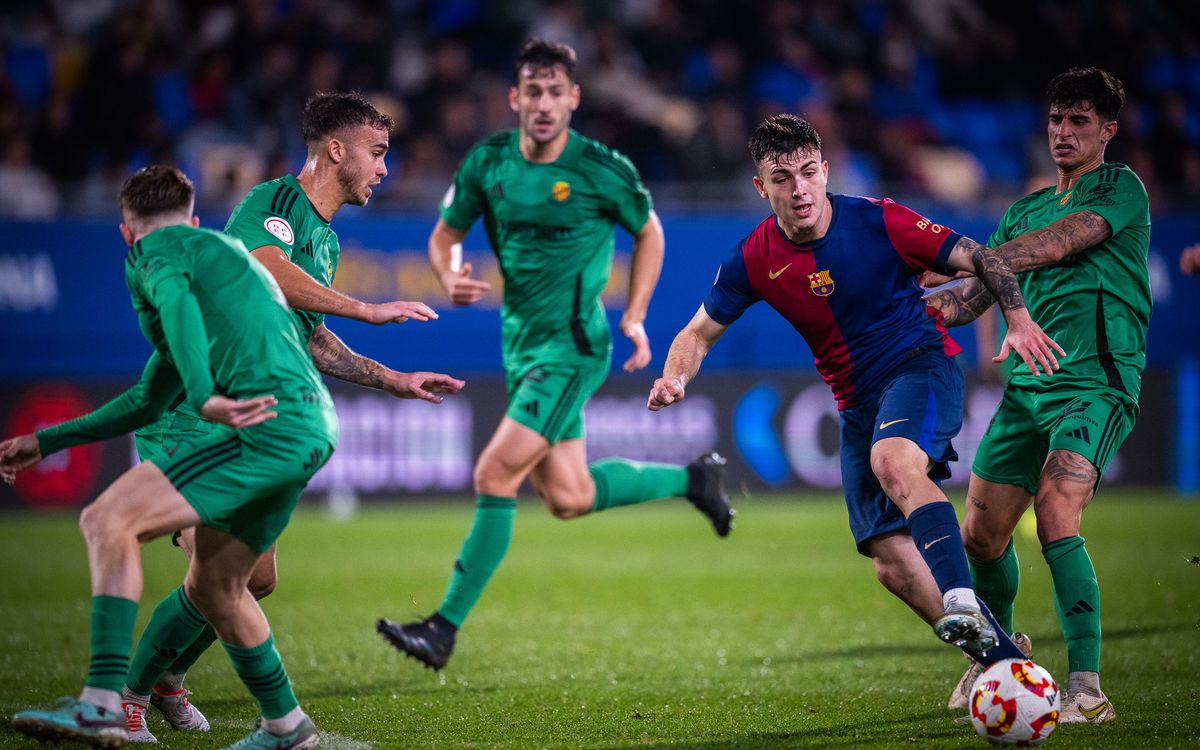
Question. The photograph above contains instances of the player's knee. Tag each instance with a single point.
(981, 543)
(895, 474)
(493, 478)
(97, 522)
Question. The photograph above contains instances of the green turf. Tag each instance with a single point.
(634, 628)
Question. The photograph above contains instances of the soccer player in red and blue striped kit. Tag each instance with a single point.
(844, 272)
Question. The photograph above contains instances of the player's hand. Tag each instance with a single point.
(636, 333)
(1030, 342)
(664, 392)
(1189, 261)
(238, 413)
(18, 454)
(426, 386)
(931, 279)
(398, 312)
(463, 289)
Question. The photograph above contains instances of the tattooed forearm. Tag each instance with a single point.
(961, 304)
(994, 271)
(1071, 466)
(332, 357)
(1071, 234)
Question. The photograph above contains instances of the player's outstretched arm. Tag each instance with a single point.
(688, 350)
(1073, 233)
(303, 292)
(1024, 336)
(332, 357)
(648, 246)
(961, 303)
(454, 275)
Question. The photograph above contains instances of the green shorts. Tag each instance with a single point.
(247, 482)
(1029, 424)
(549, 399)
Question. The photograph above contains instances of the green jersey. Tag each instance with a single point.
(1096, 303)
(219, 324)
(551, 227)
(279, 213)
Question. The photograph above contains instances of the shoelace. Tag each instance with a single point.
(135, 716)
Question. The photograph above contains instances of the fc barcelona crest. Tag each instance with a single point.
(821, 283)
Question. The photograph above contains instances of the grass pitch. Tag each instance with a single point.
(633, 628)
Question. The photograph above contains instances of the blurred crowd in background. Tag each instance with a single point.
(917, 99)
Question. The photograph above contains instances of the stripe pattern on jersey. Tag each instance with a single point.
(283, 200)
(561, 409)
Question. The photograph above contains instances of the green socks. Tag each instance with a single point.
(620, 482)
(1077, 599)
(481, 554)
(172, 632)
(262, 671)
(995, 582)
(112, 639)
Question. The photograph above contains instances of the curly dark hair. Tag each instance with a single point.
(1079, 85)
(325, 114)
(783, 134)
(154, 190)
(540, 54)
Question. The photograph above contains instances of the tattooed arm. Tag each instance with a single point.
(1024, 336)
(1071, 234)
(333, 357)
(961, 303)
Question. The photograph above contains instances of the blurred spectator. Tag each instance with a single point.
(924, 98)
(26, 192)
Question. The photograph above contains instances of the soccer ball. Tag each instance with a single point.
(1015, 702)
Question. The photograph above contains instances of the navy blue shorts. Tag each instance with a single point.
(922, 401)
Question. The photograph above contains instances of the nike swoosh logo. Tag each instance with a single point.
(1091, 713)
(885, 425)
(775, 274)
(935, 541)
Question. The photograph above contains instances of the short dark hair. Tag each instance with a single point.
(783, 134)
(1078, 85)
(540, 54)
(157, 189)
(327, 113)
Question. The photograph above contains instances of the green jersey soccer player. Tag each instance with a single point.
(286, 225)
(549, 199)
(224, 339)
(1083, 245)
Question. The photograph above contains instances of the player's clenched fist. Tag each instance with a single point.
(664, 392)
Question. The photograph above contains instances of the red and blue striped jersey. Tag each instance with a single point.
(853, 294)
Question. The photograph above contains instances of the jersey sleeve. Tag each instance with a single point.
(631, 202)
(167, 285)
(921, 243)
(265, 217)
(463, 202)
(731, 293)
(1115, 193)
(136, 407)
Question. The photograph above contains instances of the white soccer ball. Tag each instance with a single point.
(1015, 702)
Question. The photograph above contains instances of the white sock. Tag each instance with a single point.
(284, 724)
(959, 599)
(128, 696)
(109, 700)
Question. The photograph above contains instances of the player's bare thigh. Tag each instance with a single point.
(993, 511)
(562, 479)
(1065, 487)
(262, 579)
(508, 458)
(141, 502)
